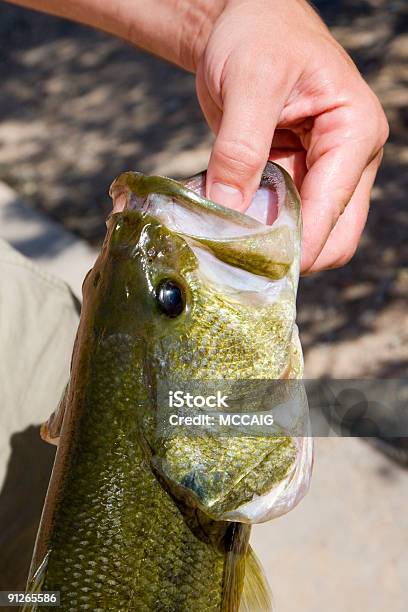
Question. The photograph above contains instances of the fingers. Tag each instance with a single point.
(331, 127)
(211, 110)
(244, 138)
(342, 160)
(345, 236)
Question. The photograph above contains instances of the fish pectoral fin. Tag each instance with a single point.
(35, 584)
(50, 430)
(45, 433)
(256, 594)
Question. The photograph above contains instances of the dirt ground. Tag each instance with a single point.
(79, 107)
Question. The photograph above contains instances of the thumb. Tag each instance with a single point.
(243, 142)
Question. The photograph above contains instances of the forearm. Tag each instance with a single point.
(176, 30)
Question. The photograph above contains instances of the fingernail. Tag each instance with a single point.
(226, 195)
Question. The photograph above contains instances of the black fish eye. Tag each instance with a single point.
(170, 298)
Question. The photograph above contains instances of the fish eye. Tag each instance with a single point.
(170, 298)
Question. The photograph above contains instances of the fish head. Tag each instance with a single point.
(197, 292)
(145, 273)
(211, 290)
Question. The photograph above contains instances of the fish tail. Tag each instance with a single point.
(256, 593)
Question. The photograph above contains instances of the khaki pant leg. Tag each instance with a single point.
(38, 321)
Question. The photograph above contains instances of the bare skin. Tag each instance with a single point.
(272, 83)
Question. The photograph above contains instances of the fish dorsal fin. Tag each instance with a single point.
(256, 594)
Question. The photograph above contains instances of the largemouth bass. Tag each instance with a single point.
(183, 290)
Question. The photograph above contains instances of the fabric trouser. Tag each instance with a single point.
(38, 322)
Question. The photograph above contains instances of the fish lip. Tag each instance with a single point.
(143, 185)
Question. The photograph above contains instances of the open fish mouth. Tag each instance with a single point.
(252, 261)
(264, 241)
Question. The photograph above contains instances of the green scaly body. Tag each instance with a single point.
(117, 533)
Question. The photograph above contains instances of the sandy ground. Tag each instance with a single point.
(78, 108)
(343, 549)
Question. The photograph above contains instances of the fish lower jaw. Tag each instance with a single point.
(283, 497)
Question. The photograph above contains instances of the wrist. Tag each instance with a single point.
(196, 21)
(175, 30)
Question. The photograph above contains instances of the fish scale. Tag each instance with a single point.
(118, 495)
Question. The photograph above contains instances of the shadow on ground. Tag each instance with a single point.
(22, 495)
(79, 107)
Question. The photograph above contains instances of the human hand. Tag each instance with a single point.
(273, 83)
